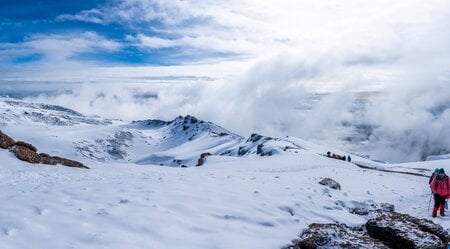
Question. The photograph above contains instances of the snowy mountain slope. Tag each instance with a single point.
(170, 143)
(233, 202)
(258, 192)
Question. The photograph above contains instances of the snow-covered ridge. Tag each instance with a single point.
(178, 142)
(170, 143)
(17, 111)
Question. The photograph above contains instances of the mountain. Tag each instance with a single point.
(252, 192)
(169, 143)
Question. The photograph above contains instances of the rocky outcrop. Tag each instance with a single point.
(330, 183)
(26, 145)
(24, 153)
(202, 159)
(388, 230)
(28, 153)
(336, 235)
(6, 141)
(54, 160)
(407, 232)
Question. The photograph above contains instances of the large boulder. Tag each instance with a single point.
(330, 183)
(403, 231)
(26, 154)
(335, 235)
(6, 141)
(387, 230)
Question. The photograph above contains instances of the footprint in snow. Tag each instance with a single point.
(41, 212)
(124, 201)
(102, 212)
(9, 231)
(287, 209)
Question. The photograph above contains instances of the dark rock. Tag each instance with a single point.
(26, 154)
(335, 235)
(200, 162)
(71, 163)
(270, 152)
(330, 183)
(6, 141)
(29, 146)
(203, 155)
(254, 138)
(242, 151)
(202, 158)
(407, 232)
(47, 159)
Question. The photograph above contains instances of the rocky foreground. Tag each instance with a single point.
(388, 230)
(28, 152)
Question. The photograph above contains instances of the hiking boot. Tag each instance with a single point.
(434, 212)
(442, 214)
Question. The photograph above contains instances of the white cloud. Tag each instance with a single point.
(291, 48)
(58, 48)
(261, 27)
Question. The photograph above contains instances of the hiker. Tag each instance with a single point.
(349, 159)
(329, 154)
(440, 186)
(435, 172)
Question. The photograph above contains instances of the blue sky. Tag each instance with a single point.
(386, 39)
(28, 30)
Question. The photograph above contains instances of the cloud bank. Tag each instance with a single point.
(368, 77)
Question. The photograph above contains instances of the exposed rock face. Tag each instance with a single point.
(330, 183)
(336, 236)
(388, 230)
(53, 160)
(26, 154)
(403, 231)
(202, 158)
(6, 142)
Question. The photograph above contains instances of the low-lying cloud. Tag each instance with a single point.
(291, 95)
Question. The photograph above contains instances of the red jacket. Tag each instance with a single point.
(441, 187)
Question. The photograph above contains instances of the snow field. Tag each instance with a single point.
(255, 202)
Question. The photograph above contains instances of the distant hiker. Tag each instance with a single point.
(329, 154)
(349, 159)
(435, 172)
(440, 186)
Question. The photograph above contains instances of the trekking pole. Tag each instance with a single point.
(429, 202)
